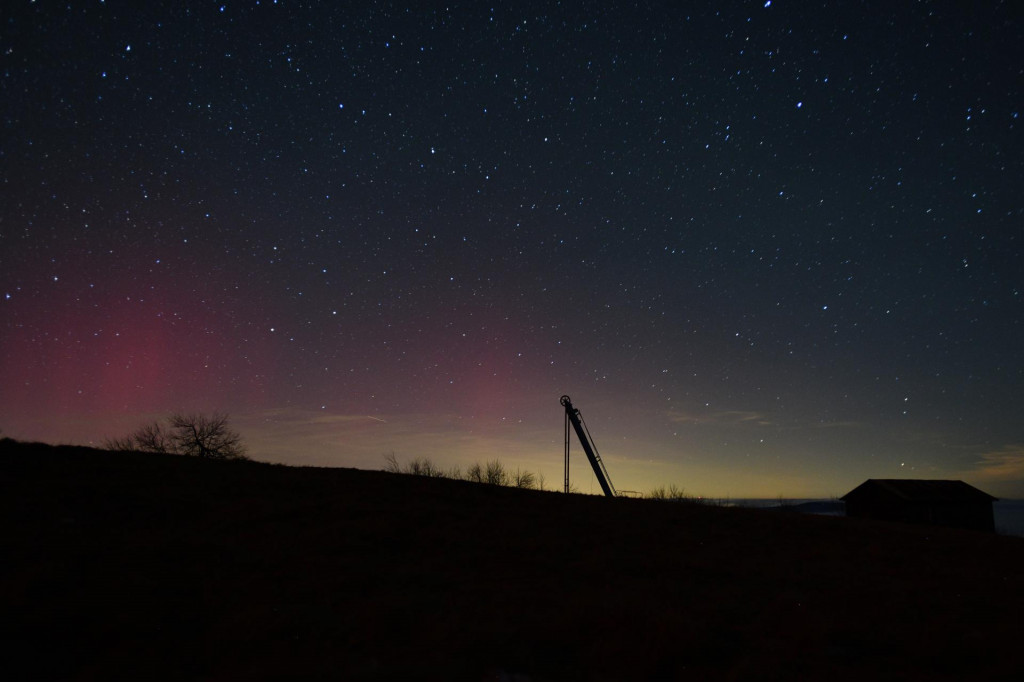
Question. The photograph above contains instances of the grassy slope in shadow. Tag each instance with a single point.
(166, 567)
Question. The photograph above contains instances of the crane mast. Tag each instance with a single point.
(572, 416)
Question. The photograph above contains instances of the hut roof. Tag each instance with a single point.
(918, 490)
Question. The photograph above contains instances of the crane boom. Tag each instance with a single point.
(572, 416)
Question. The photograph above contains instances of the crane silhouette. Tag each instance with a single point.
(573, 416)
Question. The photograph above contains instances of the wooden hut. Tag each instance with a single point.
(938, 503)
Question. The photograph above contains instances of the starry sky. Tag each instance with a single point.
(769, 248)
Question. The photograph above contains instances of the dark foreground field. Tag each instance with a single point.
(151, 567)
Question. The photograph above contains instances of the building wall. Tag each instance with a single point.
(975, 515)
(971, 515)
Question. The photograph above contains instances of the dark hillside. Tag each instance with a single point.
(118, 565)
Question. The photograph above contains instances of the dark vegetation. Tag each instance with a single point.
(189, 434)
(150, 566)
(494, 472)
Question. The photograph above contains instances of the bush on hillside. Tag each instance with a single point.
(190, 434)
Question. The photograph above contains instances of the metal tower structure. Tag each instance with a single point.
(573, 416)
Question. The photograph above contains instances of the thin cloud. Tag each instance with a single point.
(1005, 464)
(289, 416)
(837, 425)
(293, 434)
(724, 418)
(752, 418)
(344, 419)
(310, 437)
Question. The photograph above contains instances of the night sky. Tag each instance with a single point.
(768, 248)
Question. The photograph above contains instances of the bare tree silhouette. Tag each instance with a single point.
(421, 466)
(190, 434)
(202, 436)
(495, 473)
(475, 473)
(391, 464)
(154, 438)
(673, 492)
(523, 479)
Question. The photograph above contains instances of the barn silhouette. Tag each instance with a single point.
(939, 503)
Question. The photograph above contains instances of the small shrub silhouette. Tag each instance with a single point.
(524, 479)
(673, 492)
(493, 472)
